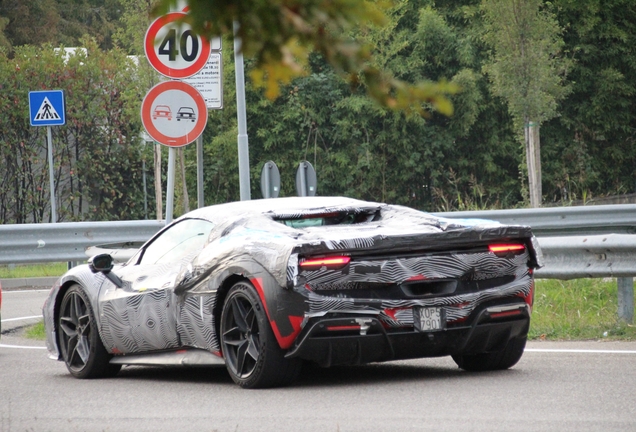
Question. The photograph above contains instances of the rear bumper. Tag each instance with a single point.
(355, 339)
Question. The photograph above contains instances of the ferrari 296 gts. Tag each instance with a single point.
(263, 286)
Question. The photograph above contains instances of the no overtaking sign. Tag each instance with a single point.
(174, 113)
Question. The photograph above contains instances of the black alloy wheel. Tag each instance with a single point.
(241, 337)
(79, 341)
(252, 355)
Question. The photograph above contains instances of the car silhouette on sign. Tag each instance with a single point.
(162, 111)
(186, 113)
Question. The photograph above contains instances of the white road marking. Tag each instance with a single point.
(18, 346)
(21, 318)
(581, 351)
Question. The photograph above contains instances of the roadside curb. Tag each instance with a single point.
(36, 282)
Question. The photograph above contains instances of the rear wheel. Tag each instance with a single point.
(252, 355)
(80, 344)
(497, 360)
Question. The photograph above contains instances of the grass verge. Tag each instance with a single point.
(576, 310)
(36, 331)
(32, 270)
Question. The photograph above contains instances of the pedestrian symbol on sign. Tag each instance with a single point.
(46, 108)
(46, 111)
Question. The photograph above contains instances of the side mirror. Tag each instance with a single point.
(100, 263)
(103, 263)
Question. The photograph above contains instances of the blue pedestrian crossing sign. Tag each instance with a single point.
(46, 108)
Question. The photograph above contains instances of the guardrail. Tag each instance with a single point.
(612, 255)
(577, 242)
(562, 221)
(67, 241)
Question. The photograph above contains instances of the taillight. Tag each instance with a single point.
(331, 263)
(503, 250)
(506, 314)
(343, 328)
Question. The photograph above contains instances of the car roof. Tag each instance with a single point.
(281, 207)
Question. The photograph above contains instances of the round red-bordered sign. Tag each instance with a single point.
(174, 113)
(178, 52)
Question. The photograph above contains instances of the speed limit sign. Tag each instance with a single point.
(173, 49)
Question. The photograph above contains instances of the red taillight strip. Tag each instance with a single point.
(498, 248)
(505, 314)
(333, 262)
(343, 327)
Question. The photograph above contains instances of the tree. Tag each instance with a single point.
(527, 70)
(97, 160)
(97, 18)
(362, 150)
(5, 44)
(133, 23)
(279, 35)
(594, 151)
(30, 22)
(60, 21)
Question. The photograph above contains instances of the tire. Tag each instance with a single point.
(498, 360)
(252, 355)
(78, 338)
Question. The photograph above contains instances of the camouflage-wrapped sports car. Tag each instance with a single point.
(261, 286)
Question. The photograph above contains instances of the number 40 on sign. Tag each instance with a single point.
(173, 49)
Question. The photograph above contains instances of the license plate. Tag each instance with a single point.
(428, 319)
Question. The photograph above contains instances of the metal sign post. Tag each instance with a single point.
(49, 142)
(200, 190)
(170, 186)
(243, 146)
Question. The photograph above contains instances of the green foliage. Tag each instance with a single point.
(59, 21)
(36, 331)
(21, 18)
(5, 44)
(133, 23)
(592, 148)
(577, 309)
(526, 67)
(469, 160)
(360, 149)
(96, 154)
(32, 270)
(279, 36)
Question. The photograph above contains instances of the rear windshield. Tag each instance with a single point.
(336, 218)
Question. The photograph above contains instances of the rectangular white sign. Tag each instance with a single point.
(209, 81)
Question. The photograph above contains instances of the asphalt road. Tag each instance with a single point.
(21, 307)
(571, 386)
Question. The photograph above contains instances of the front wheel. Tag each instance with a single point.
(79, 341)
(497, 360)
(252, 355)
